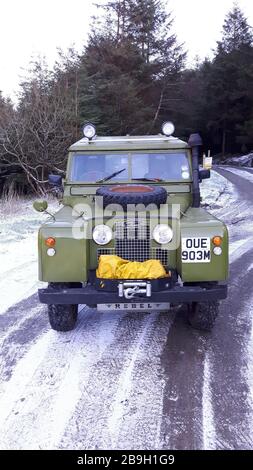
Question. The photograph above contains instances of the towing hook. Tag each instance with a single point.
(130, 292)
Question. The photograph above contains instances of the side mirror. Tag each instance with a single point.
(204, 174)
(40, 206)
(55, 180)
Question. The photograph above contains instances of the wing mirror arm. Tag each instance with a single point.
(41, 206)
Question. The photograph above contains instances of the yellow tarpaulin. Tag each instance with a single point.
(114, 267)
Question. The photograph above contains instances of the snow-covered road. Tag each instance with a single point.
(143, 381)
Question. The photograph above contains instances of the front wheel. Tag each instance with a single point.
(62, 317)
(202, 315)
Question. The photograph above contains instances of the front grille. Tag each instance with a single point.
(132, 240)
(160, 254)
(105, 251)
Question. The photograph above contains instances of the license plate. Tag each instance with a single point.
(196, 250)
(134, 306)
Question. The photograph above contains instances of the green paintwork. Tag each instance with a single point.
(74, 257)
(199, 223)
(40, 206)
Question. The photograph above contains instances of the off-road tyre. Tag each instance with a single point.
(202, 315)
(62, 317)
(132, 194)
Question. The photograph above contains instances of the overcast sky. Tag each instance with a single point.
(31, 27)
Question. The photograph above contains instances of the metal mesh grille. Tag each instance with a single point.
(105, 251)
(132, 240)
(161, 255)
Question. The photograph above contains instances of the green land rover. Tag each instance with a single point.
(131, 233)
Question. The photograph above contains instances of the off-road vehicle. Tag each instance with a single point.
(131, 233)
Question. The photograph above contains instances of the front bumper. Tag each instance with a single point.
(177, 294)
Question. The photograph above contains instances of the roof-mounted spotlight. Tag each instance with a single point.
(168, 128)
(89, 130)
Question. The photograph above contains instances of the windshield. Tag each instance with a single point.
(163, 166)
(97, 167)
(115, 167)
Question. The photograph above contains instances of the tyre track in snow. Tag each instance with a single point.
(19, 339)
(183, 360)
(206, 388)
(42, 393)
(38, 368)
(123, 405)
(17, 314)
(230, 383)
(231, 363)
(206, 398)
(137, 410)
(20, 287)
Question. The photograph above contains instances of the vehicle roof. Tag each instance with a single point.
(155, 142)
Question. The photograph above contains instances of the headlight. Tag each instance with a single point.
(162, 234)
(168, 128)
(89, 131)
(102, 234)
(185, 175)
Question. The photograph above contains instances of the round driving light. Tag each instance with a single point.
(102, 234)
(50, 241)
(217, 241)
(89, 131)
(168, 128)
(185, 175)
(217, 250)
(51, 251)
(162, 234)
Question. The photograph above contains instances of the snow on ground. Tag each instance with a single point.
(19, 224)
(209, 438)
(109, 370)
(250, 364)
(244, 174)
(216, 192)
(221, 198)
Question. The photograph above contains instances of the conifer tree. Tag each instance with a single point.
(236, 32)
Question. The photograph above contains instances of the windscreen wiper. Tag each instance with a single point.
(155, 180)
(111, 176)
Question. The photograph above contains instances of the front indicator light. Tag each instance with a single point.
(217, 241)
(51, 252)
(50, 242)
(217, 250)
